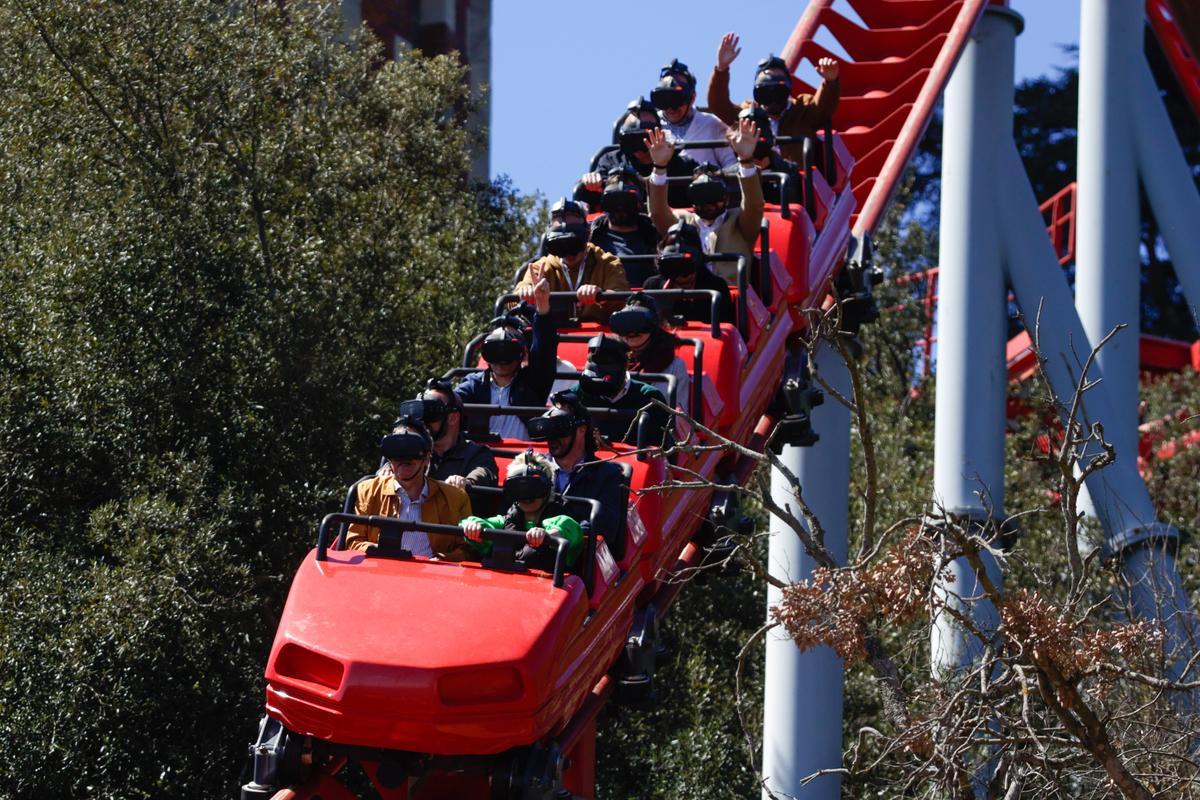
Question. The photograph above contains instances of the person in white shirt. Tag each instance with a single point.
(675, 97)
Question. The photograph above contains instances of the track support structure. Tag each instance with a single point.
(1014, 224)
(802, 707)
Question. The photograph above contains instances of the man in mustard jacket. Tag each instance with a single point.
(722, 229)
(409, 495)
(577, 265)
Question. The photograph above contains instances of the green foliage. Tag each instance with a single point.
(691, 744)
(233, 241)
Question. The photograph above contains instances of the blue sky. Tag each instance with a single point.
(562, 72)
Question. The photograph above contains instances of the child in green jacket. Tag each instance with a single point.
(535, 509)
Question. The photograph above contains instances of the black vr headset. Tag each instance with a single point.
(705, 189)
(672, 92)
(555, 427)
(679, 69)
(632, 320)
(565, 239)
(503, 350)
(425, 410)
(772, 91)
(408, 446)
(632, 138)
(676, 261)
(528, 482)
(623, 195)
(770, 62)
(531, 486)
(766, 139)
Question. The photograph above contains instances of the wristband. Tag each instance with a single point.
(658, 178)
(659, 166)
(747, 171)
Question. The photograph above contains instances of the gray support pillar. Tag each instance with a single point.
(972, 377)
(1169, 183)
(802, 704)
(1107, 276)
(1122, 503)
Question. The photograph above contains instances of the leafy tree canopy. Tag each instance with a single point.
(234, 238)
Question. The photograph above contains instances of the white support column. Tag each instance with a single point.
(802, 704)
(1122, 503)
(972, 377)
(1169, 183)
(1107, 273)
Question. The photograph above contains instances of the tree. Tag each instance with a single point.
(234, 240)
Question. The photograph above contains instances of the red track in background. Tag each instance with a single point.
(1171, 31)
(897, 68)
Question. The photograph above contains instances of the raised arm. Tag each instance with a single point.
(742, 141)
(828, 93)
(661, 151)
(719, 103)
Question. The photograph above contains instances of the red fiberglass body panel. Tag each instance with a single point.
(436, 657)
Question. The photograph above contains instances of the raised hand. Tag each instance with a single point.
(829, 68)
(743, 139)
(728, 51)
(660, 147)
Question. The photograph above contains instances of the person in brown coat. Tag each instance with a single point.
(722, 229)
(574, 264)
(409, 495)
(802, 115)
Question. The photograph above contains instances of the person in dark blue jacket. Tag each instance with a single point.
(517, 374)
(567, 430)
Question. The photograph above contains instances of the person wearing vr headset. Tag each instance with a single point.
(455, 460)
(767, 158)
(605, 383)
(640, 117)
(518, 373)
(566, 428)
(722, 229)
(674, 97)
(575, 264)
(680, 265)
(622, 229)
(407, 493)
(651, 347)
(802, 115)
(535, 508)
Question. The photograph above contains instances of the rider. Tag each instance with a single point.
(506, 381)
(651, 347)
(680, 265)
(567, 430)
(674, 97)
(407, 493)
(632, 155)
(576, 264)
(623, 229)
(534, 508)
(802, 115)
(722, 230)
(605, 383)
